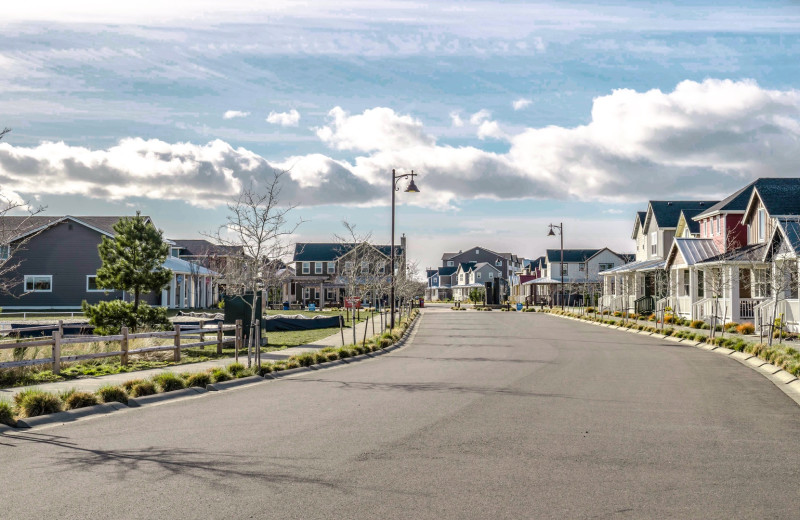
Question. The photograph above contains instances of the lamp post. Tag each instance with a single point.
(551, 233)
(412, 188)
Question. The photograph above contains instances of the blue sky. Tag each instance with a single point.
(515, 114)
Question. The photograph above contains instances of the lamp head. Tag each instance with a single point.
(551, 233)
(412, 188)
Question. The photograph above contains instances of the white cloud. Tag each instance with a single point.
(613, 211)
(455, 117)
(702, 140)
(290, 118)
(375, 129)
(479, 117)
(521, 103)
(231, 114)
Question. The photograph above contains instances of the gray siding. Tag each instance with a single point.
(484, 256)
(68, 252)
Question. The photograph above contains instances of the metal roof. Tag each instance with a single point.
(180, 266)
(644, 265)
(696, 250)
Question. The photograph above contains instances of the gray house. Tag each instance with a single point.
(56, 261)
(506, 263)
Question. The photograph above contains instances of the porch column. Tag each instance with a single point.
(164, 296)
(321, 296)
(182, 297)
(735, 308)
(172, 291)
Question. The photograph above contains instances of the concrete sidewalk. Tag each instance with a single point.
(90, 384)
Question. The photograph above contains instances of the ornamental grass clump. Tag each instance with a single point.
(169, 382)
(236, 369)
(7, 414)
(142, 388)
(332, 356)
(697, 324)
(112, 394)
(199, 379)
(80, 400)
(746, 328)
(36, 402)
(218, 375)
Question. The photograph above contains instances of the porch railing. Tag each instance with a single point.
(747, 308)
(644, 305)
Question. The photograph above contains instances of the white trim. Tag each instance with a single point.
(25, 282)
(94, 290)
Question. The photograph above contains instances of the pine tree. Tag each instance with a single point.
(133, 259)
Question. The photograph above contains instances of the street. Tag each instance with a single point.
(481, 415)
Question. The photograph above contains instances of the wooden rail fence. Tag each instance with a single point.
(58, 340)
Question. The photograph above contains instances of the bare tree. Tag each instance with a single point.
(258, 223)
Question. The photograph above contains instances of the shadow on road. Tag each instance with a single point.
(220, 467)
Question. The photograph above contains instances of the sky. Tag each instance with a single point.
(515, 115)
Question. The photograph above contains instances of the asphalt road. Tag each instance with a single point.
(483, 415)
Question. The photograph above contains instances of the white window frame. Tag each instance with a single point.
(450, 263)
(5, 252)
(564, 269)
(331, 268)
(34, 276)
(306, 267)
(364, 267)
(498, 263)
(762, 225)
(606, 267)
(88, 276)
(478, 276)
(477, 251)
(654, 243)
(317, 267)
(348, 267)
(719, 225)
(582, 267)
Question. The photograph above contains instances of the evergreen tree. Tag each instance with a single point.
(133, 259)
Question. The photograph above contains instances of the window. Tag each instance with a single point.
(91, 284)
(491, 274)
(719, 225)
(478, 276)
(364, 267)
(582, 267)
(175, 251)
(477, 251)
(317, 267)
(331, 268)
(701, 286)
(39, 283)
(348, 267)
(762, 225)
(5, 252)
(654, 243)
(381, 266)
(606, 267)
(306, 267)
(449, 263)
(686, 283)
(498, 263)
(564, 269)
(613, 285)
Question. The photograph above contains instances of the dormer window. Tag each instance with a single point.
(477, 251)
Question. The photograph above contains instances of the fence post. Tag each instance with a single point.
(61, 327)
(177, 343)
(237, 342)
(123, 358)
(219, 337)
(202, 334)
(56, 352)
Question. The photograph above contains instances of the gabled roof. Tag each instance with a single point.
(735, 203)
(481, 265)
(507, 256)
(780, 196)
(638, 222)
(689, 216)
(430, 272)
(331, 251)
(787, 231)
(627, 257)
(201, 247)
(693, 250)
(21, 226)
(667, 212)
(447, 271)
(571, 255)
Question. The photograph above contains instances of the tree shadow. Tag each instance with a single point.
(221, 468)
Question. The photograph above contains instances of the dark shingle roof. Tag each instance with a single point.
(689, 215)
(780, 196)
(667, 212)
(205, 248)
(330, 251)
(20, 225)
(571, 255)
(447, 271)
(735, 202)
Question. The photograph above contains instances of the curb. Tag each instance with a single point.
(69, 415)
(136, 402)
(233, 383)
(786, 382)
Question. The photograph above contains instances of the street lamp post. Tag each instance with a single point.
(551, 233)
(412, 188)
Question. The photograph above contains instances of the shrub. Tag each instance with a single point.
(292, 363)
(668, 331)
(746, 328)
(706, 326)
(109, 317)
(128, 385)
(332, 356)
(590, 310)
(730, 326)
(278, 366)
(617, 314)
(142, 388)
(36, 402)
(200, 379)
(111, 394)
(169, 382)
(265, 369)
(320, 357)
(360, 349)
(80, 400)
(7, 413)
(605, 313)
(219, 375)
(697, 324)
(304, 360)
(345, 353)
(669, 318)
(236, 369)
(652, 317)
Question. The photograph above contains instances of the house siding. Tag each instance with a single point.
(483, 256)
(68, 252)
